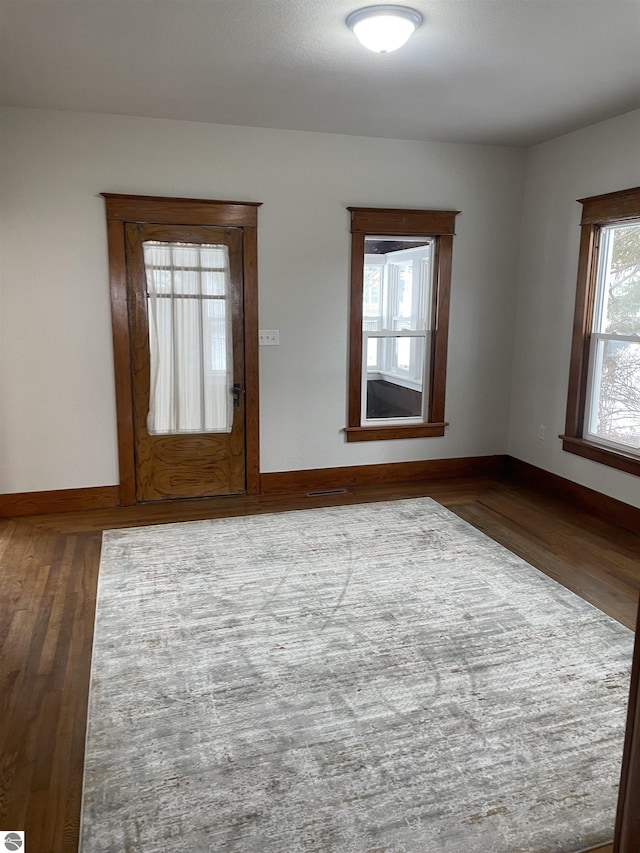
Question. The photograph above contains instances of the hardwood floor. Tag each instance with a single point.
(47, 598)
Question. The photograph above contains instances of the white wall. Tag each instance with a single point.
(598, 159)
(57, 423)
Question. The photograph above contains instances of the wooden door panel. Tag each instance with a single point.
(183, 465)
(207, 468)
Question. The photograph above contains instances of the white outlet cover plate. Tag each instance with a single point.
(269, 337)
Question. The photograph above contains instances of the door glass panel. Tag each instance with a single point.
(190, 338)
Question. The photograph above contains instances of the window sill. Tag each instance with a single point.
(381, 433)
(605, 456)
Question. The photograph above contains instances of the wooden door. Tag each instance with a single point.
(178, 454)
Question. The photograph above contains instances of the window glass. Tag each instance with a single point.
(396, 297)
(612, 413)
(619, 281)
(189, 338)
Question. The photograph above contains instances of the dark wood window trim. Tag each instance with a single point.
(439, 224)
(179, 211)
(597, 211)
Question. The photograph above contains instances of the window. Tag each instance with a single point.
(400, 280)
(603, 409)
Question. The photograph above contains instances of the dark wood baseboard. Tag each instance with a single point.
(587, 500)
(314, 479)
(61, 500)
(279, 482)
(317, 479)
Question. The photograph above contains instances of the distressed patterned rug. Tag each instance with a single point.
(378, 678)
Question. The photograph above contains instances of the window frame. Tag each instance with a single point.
(598, 212)
(438, 225)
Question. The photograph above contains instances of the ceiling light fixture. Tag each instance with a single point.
(384, 28)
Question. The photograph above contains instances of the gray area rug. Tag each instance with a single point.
(378, 678)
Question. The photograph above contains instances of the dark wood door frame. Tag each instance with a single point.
(158, 210)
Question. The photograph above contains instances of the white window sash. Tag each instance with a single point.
(404, 381)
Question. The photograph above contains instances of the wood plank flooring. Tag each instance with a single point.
(49, 566)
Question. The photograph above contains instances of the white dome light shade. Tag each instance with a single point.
(384, 28)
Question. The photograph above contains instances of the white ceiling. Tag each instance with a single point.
(492, 71)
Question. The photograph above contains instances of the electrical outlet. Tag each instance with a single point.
(269, 337)
(541, 431)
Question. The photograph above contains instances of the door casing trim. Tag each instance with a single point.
(156, 210)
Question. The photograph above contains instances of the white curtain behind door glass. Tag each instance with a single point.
(190, 338)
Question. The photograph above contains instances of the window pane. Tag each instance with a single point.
(618, 302)
(394, 380)
(372, 352)
(372, 297)
(188, 268)
(615, 402)
(397, 283)
(396, 297)
(389, 400)
(405, 316)
(408, 357)
(402, 354)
